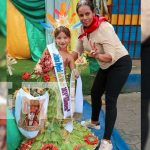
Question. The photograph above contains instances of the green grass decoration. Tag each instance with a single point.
(54, 131)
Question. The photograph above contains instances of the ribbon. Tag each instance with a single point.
(76, 97)
(60, 75)
(72, 103)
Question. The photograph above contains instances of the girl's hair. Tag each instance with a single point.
(85, 3)
(62, 29)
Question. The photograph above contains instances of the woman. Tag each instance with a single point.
(98, 38)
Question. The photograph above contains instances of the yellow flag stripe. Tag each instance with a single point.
(17, 40)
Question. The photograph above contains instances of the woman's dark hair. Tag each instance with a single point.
(62, 29)
(85, 3)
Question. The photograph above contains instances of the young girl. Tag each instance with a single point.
(62, 38)
(55, 134)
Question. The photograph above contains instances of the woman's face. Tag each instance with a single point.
(62, 40)
(85, 15)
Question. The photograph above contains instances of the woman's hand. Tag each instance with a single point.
(94, 52)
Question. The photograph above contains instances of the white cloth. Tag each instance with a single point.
(79, 96)
(18, 109)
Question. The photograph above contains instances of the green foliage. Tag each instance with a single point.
(37, 145)
(55, 133)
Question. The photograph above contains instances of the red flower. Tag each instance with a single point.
(42, 60)
(91, 139)
(47, 57)
(26, 76)
(24, 147)
(49, 146)
(78, 147)
(46, 77)
(45, 70)
(46, 63)
(26, 144)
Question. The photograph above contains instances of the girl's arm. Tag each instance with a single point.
(72, 67)
(75, 55)
(71, 63)
(78, 49)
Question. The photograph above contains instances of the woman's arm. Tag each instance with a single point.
(104, 57)
(95, 53)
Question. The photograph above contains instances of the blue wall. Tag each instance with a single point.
(133, 44)
(130, 40)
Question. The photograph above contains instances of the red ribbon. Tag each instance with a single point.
(97, 20)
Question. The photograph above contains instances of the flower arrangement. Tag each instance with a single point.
(42, 69)
(53, 136)
(91, 139)
(79, 147)
(26, 145)
(45, 63)
(81, 63)
(49, 146)
(26, 76)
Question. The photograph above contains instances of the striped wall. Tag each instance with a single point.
(125, 17)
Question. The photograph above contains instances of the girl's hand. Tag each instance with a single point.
(76, 73)
(79, 60)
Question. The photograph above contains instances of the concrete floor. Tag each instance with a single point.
(128, 121)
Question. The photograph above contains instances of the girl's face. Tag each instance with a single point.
(62, 40)
(85, 15)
